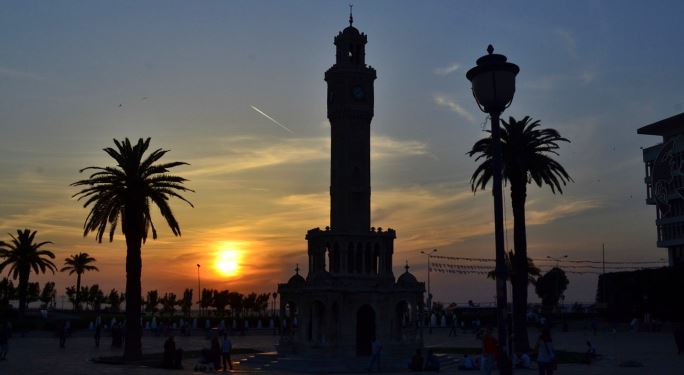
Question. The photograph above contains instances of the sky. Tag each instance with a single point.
(203, 78)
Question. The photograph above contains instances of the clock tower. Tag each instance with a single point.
(350, 296)
(350, 111)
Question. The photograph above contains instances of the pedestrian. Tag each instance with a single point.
(489, 349)
(216, 352)
(454, 325)
(376, 349)
(546, 357)
(98, 334)
(679, 338)
(63, 335)
(226, 348)
(4, 341)
(594, 325)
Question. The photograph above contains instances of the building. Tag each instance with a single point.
(665, 183)
(350, 296)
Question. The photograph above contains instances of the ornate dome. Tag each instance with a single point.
(407, 279)
(296, 281)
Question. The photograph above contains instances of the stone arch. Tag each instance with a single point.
(365, 330)
(335, 258)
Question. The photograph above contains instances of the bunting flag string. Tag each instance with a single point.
(470, 259)
(469, 268)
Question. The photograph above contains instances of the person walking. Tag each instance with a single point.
(376, 349)
(63, 335)
(98, 334)
(216, 352)
(546, 357)
(489, 349)
(4, 341)
(226, 348)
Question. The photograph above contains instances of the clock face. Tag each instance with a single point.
(358, 93)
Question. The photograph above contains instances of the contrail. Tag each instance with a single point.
(271, 118)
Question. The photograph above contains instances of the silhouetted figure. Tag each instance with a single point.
(117, 336)
(489, 349)
(679, 338)
(216, 352)
(594, 325)
(467, 364)
(522, 360)
(376, 349)
(591, 352)
(226, 348)
(546, 357)
(416, 362)
(169, 353)
(4, 341)
(98, 335)
(431, 362)
(63, 332)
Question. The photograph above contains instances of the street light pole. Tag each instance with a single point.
(493, 85)
(199, 291)
(429, 255)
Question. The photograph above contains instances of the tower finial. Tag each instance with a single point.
(297, 269)
(406, 267)
(351, 18)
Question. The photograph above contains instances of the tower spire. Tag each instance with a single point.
(351, 17)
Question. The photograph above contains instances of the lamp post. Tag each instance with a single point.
(199, 291)
(493, 85)
(429, 301)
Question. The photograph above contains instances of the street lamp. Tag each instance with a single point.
(493, 85)
(429, 255)
(199, 291)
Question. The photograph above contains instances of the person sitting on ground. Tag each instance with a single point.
(467, 364)
(522, 360)
(416, 362)
(431, 362)
(591, 352)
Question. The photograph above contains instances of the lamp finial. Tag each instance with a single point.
(490, 49)
(351, 18)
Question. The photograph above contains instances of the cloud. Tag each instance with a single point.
(565, 209)
(447, 69)
(449, 103)
(240, 154)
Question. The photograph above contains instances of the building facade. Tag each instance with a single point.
(664, 180)
(349, 296)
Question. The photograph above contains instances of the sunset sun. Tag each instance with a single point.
(227, 262)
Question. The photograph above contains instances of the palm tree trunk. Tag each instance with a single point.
(133, 343)
(77, 304)
(521, 341)
(23, 289)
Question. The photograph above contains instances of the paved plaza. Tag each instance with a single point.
(39, 353)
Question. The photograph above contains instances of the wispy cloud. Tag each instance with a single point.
(245, 153)
(452, 105)
(447, 69)
(272, 119)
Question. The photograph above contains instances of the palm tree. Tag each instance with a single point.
(527, 153)
(125, 193)
(23, 255)
(78, 264)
